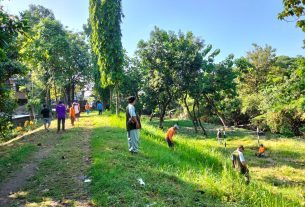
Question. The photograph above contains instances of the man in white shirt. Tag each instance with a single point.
(133, 126)
(77, 110)
(239, 162)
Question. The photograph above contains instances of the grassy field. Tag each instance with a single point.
(197, 173)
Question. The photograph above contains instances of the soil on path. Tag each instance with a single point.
(50, 143)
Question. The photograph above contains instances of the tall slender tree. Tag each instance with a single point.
(105, 21)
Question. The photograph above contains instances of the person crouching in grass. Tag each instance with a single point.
(170, 134)
(72, 115)
(261, 151)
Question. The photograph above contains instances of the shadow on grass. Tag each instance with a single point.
(115, 173)
(283, 182)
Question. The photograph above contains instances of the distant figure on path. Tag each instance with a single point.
(219, 136)
(224, 136)
(61, 115)
(170, 134)
(100, 108)
(46, 117)
(239, 162)
(77, 109)
(133, 126)
(261, 151)
(72, 115)
(87, 107)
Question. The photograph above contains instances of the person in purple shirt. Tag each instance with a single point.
(61, 115)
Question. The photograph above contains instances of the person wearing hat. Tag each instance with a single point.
(133, 126)
(170, 134)
(239, 162)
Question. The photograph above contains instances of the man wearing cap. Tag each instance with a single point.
(239, 162)
(170, 134)
(133, 126)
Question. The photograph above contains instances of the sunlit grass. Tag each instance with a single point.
(197, 165)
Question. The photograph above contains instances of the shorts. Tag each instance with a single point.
(47, 120)
(169, 142)
(77, 115)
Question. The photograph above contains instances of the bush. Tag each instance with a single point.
(286, 121)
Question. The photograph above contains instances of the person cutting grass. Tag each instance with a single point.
(170, 134)
(239, 162)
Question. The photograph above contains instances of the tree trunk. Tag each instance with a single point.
(220, 116)
(48, 96)
(33, 112)
(117, 107)
(221, 119)
(151, 116)
(55, 92)
(162, 115)
(199, 121)
(110, 97)
(68, 92)
(189, 113)
(73, 92)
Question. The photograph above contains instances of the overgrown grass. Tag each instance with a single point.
(197, 173)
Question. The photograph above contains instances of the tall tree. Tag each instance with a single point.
(158, 60)
(10, 66)
(46, 51)
(252, 77)
(105, 21)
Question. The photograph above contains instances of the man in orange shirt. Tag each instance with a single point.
(169, 135)
(87, 107)
(261, 151)
(72, 114)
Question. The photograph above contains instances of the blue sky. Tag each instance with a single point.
(232, 26)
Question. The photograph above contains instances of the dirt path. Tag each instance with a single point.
(15, 182)
(55, 147)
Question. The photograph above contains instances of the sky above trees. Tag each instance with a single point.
(231, 26)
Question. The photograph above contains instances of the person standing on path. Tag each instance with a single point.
(72, 115)
(61, 115)
(219, 136)
(87, 107)
(46, 117)
(76, 109)
(100, 108)
(133, 126)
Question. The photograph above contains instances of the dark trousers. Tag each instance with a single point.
(100, 112)
(62, 120)
(169, 142)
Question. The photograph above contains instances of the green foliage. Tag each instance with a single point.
(270, 90)
(296, 9)
(11, 26)
(105, 19)
(158, 62)
(59, 59)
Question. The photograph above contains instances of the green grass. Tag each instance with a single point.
(12, 158)
(173, 178)
(197, 173)
(58, 180)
